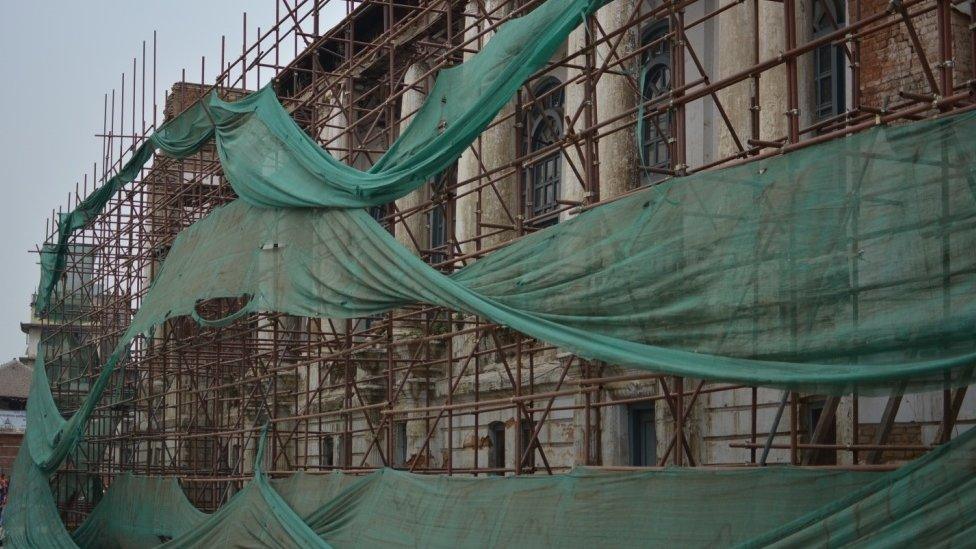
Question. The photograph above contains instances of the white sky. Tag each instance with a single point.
(61, 58)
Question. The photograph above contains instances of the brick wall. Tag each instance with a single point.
(889, 64)
(9, 444)
(904, 434)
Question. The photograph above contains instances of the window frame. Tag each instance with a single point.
(660, 134)
(543, 176)
(496, 452)
(835, 69)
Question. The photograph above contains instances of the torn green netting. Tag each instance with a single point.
(845, 266)
(50, 437)
(821, 276)
(270, 161)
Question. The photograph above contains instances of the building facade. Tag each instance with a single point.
(642, 92)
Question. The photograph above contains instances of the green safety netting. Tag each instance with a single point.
(856, 273)
(306, 493)
(928, 502)
(31, 518)
(781, 272)
(676, 508)
(270, 161)
(138, 511)
(257, 516)
(844, 266)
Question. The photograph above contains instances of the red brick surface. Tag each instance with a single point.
(9, 444)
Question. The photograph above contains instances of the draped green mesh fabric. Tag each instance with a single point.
(820, 308)
(925, 503)
(306, 493)
(776, 273)
(285, 168)
(676, 508)
(271, 162)
(31, 518)
(257, 516)
(138, 511)
(845, 266)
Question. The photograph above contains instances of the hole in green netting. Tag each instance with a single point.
(220, 309)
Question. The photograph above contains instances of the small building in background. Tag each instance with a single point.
(15, 380)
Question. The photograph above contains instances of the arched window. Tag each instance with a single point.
(496, 454)
(829, 86)
(544, 127)
(654, 129)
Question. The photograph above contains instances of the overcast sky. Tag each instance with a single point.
(60, 58)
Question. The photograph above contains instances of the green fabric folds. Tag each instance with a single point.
(270, 161)
(670, 508)
(138, 511)
(50, 437)
(257, 516)
(927, 503)
(844, 266)
(776, 273)
(31, 519)
(179, 138)
(306, 493)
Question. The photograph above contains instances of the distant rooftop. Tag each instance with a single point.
(15, 379)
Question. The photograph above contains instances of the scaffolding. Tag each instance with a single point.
(417, 388)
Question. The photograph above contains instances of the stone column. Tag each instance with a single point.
(497, 146)
(617, 152)
(335, 132)
(617, 170)
(736, 29)
(702, 118)
(773, 87)
(571, 187)
(411, 231)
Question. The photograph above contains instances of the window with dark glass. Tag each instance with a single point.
(643, 435)
(829, 84)
(326, 451)
(400, 444)
(438, 219)
(528, 429)
(496, 453)
(655, 82)
(380, 212)
(543, 174)
(814, 408)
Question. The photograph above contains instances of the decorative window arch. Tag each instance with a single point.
(829, 78)
(543, 176)
(654, 129)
